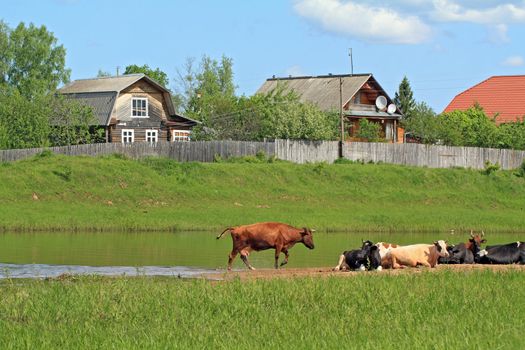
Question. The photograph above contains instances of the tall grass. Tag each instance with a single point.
(427, 310)
(114, 193)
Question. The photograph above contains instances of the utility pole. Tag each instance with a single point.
(341, 117)
(351, 62)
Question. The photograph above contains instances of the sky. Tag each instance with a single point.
(442, 46)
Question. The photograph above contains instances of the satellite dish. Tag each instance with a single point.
(391, 108)
(381, 103)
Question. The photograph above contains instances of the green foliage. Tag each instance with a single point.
(404, 98)
(70, 122)
(472, 128)
(45, 120)
(467, 128)
(278, 115)
(511, 135)
(155, 74)
(422, 124)
(490, 168)
(24, 123)
(208, 95)
(44, 154)
(369, 131)
(31, 61)
(520, 172)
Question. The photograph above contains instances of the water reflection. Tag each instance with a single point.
(45, 271)
(167, 253)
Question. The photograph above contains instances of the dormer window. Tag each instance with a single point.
(139, 107)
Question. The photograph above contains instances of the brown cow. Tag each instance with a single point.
(266, 235)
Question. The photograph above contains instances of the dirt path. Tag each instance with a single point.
(320, 272)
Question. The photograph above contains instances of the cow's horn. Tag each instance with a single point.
(471, 234)
(482, 233)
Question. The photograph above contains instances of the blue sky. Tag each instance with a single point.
(442, 46)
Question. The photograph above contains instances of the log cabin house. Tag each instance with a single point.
(356, 93)
(131, 108)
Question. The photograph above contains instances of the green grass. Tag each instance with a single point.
(427, 310)
(114, 193)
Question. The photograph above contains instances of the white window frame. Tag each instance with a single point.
(147, 107)
(154, 135)
(180, 138)
(125, 137)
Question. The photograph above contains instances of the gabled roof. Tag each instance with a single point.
(101, 94)
(503, 96)
(322, 90)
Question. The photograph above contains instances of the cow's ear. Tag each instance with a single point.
(304, 231)
(483, 241)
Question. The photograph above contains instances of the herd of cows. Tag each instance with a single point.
(282, 237)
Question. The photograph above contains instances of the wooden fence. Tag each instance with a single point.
(199, 151)
(295, 151)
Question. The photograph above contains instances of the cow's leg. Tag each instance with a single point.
(232, 256)
(277, 253)
(244, 257)
(286, 255)
(340, 263)
(424, 263)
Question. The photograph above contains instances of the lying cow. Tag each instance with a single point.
(384, 253)
(418, 254)
(266, 235)
(512, 253)
(464, 253)
(360, 259)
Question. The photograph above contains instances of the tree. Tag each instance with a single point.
(278, 115)
(210, 93)
(511, 135)
(155, 74)
(404, 98)
(423, 123)
(102, 74)
(471, 127)
(369, 131)
(31, 60)
(23, 122)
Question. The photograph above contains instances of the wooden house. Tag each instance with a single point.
(357, 94)
(502, 97)
(131, 108)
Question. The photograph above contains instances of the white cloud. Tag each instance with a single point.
(514, 61)
(498, 33)
(370, 23)
(451, 11)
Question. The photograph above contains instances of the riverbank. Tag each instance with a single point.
(59, 193)
(442, 308)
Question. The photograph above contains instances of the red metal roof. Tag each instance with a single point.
(503, 95)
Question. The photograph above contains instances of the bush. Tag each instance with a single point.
(490, 168)
(520, 172)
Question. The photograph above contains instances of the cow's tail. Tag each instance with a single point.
(228, 229)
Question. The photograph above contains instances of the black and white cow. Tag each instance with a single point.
(464, 253)
(511, 253)
(366, 258)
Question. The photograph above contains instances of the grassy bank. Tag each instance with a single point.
(83, 193)
(443, 309)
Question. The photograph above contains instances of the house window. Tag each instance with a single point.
(152, 136)
(357, 98)
(139, 107)
(128, 136)
(180, 135)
